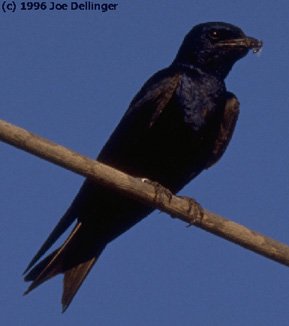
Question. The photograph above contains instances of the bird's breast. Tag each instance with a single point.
(199, 97)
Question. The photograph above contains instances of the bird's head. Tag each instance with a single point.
(215, 47)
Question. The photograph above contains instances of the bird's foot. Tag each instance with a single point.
(161, 193)
(195, 210)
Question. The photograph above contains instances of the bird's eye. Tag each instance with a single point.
(214, 35)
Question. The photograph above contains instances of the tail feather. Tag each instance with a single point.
(74, 259)
(51, 265)
(64, 223)
(39, 268)
(73, 279)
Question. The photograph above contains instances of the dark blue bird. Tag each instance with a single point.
(178, 124)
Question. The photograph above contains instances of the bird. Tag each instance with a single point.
(178, 124)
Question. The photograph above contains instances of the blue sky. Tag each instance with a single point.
(69, 76)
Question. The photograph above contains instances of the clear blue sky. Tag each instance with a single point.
(69, 76)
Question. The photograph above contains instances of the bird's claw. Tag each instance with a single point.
(161, 193)
(195, 210)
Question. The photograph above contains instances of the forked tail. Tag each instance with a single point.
(74, 259)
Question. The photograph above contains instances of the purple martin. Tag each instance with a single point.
(177, 125)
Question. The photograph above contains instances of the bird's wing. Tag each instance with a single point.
(230, 117)
(144, 110)
(142, 113)
(156, 93)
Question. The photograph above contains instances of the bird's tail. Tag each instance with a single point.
(74, 259)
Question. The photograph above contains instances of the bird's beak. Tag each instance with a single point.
(245, 42)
